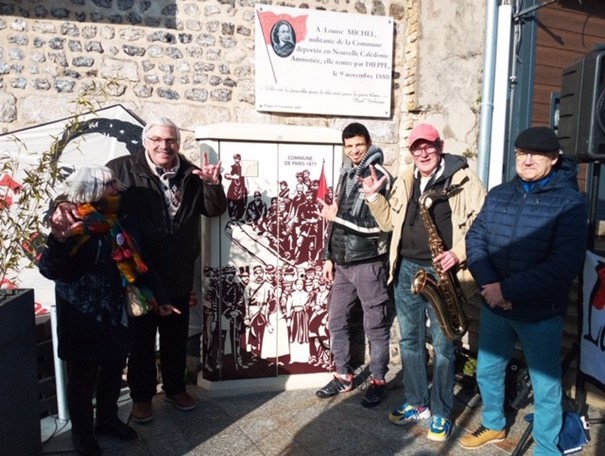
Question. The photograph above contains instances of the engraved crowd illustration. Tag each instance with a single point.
(260, 315)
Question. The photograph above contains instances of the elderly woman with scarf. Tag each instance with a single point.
(92, 264)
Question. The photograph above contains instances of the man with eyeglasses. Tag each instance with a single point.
(409, 252)
(168, 194)
(524, 250)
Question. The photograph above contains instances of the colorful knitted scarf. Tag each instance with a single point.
(101, 217)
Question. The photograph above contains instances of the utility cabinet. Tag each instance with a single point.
(263, 295)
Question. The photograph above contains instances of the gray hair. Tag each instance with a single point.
(161, 121)
(88, 183)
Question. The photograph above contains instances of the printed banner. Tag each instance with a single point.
(592, 359)
(319, 62)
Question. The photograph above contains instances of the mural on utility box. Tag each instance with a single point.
(264, 296)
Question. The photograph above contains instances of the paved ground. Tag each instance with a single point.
(296, 423)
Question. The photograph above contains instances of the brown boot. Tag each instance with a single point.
(183, 401)
(142, 412)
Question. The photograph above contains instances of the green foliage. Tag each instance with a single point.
(21, 216)
(469, 154)
(22, 209)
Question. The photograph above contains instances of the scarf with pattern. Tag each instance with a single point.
(102, 218)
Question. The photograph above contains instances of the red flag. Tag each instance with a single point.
(598, 292)
(7, 181)
(268, 19)
(322, 189)
(322, 193)
(7, 284)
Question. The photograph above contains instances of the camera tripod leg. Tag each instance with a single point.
(523, 440)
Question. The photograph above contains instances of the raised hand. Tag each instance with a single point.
(210, 174)
(372, 184)
(64, 220)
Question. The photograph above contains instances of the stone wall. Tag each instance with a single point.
(193, 61)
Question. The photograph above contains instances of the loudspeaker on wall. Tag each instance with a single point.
(581, 128)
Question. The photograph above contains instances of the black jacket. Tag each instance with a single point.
(91, 320)
(354, 236)
(173, 245)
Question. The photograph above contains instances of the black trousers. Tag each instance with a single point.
(142, 371)
(83, 378)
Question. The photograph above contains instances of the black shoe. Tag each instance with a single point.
(376, 392)
(336, 386)
(85, 444)
(117, 429)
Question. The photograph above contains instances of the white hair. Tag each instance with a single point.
(88, 183)
(164, 122)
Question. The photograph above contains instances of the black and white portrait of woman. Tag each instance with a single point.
(283, 38)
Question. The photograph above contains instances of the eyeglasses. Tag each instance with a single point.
(169, 141)
(429, 149)
(113, 183)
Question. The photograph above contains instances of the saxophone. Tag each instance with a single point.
(444, 294)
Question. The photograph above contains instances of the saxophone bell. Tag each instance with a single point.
(419, 281)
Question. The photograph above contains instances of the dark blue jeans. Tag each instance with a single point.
(142, 371)
(367, 282)
(412, 311)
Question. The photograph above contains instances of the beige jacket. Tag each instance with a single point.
(465, 204)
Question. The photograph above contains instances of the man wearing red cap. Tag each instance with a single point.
(452, 215)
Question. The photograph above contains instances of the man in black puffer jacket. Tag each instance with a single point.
(355, 262)
(524, 250)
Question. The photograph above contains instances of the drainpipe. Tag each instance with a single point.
(487, 94)
(501, 91)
